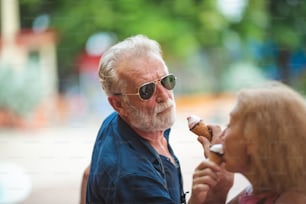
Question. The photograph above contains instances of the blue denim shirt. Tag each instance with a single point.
(126, 169)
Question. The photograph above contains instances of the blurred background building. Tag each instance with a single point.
(28, 67)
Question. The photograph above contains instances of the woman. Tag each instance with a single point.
(264, 141)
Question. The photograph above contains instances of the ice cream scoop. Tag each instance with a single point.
(216, 153)
(197, 126)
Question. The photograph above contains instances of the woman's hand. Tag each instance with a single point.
(204, 178)
(210, 184)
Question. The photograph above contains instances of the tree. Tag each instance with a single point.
(287, 30)
(181, 26)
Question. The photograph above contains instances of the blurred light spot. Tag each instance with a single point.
(242, 75)
(232, 9)
(15, 185)
(98, 43)
(41, 23)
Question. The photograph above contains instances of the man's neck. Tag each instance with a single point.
(151, 137)
(158, 142)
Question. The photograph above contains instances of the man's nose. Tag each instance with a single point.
(161, 92)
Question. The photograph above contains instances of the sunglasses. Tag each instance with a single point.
(147, 90)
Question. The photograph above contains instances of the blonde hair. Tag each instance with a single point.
(120, 55)
(274, 121)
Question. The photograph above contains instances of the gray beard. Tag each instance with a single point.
(152, 121)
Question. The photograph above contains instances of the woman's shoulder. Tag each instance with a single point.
(291, 197)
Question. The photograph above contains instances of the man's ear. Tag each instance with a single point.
(115, 102)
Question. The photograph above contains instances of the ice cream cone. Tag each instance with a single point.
(216, 154)
(215, 157)
(201, 130)
(197, 126)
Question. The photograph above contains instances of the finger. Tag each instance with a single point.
(200, 187)
(216, 133)
(207, 166)
(205, 144)
(208, 178)
(205, 177)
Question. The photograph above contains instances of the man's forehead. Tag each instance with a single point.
(142, 70)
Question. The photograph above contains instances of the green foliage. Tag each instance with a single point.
(183, 27)
(255, 21)
(287, 22)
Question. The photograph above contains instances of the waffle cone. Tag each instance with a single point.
(201, 129)
(215, 157)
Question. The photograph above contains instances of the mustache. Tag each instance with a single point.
(163, 106)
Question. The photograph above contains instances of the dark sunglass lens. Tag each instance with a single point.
(146, 91)
(168, 82)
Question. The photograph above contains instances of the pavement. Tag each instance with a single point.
(45, 165)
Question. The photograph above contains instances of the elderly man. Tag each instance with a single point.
(132, 160)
